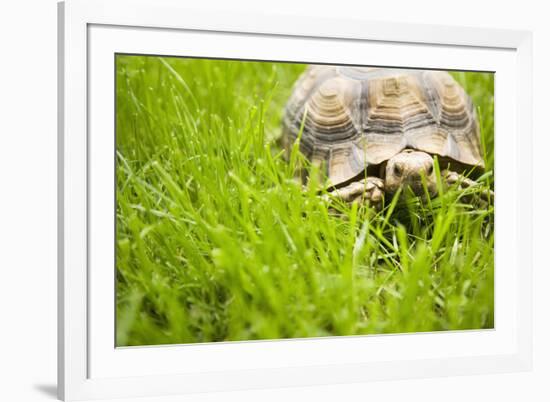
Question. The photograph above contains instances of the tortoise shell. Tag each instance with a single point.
(354, 117)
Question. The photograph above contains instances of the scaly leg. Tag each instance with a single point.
(370, 190)
(452, 178)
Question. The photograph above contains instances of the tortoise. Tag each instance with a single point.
(374, 130)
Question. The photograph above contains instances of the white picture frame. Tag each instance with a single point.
(91, 32)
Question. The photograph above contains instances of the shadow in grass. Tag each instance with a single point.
(47, 389)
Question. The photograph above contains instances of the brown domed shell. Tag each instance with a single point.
(354, 117)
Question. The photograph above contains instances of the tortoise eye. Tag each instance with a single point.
(430, 170)
(397, 170)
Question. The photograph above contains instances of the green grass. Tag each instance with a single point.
(216, 241)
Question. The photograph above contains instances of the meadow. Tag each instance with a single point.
(217, 241)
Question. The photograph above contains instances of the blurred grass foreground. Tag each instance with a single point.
(215, 241)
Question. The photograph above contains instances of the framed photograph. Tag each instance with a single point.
(253, 201)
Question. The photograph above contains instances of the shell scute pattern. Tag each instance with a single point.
(356, 117)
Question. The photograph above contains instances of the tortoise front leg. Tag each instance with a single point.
(370, 190)
(452, 178)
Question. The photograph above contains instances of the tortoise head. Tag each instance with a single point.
(410, 168)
